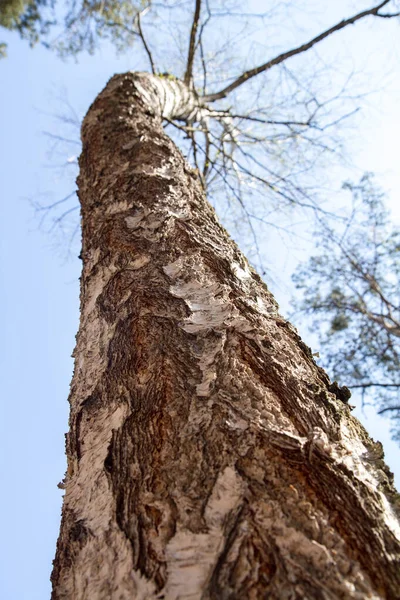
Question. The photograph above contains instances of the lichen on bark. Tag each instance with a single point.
(207, 457)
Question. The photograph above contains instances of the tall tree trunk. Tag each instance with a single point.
(208, 455)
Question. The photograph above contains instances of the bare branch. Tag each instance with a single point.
(370, 384)
(207, 155)
(200, 45)
(388, 15)
(300, 49)
(60, 138)
(141, 35)
(61, 218)
(383, 410)
(192, 44)
(48, 207)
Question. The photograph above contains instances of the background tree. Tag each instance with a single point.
(28, 17)
(79, 25)
(351, 297)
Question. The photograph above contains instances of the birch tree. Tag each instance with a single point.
(208, 455)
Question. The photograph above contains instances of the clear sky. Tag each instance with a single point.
(39, 289)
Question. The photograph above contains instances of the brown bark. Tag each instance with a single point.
(207, 457)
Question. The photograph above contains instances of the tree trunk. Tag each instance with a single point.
(207, 457)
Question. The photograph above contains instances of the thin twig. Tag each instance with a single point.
(192, 44)
(146, 47)
(300, 49)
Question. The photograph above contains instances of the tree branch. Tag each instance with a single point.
(147, 49)
(383, 410)
(368, 385)
(192, 44)
(199, 45)
(300, 49)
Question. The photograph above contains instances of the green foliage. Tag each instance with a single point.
(339, 322)
(89, 22)
(351, 295)
(10, 12)
(82, 28)
(28, 17)
(168, 76)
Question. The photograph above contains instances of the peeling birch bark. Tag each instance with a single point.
(206, 456)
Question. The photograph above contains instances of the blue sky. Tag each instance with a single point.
(39, 289)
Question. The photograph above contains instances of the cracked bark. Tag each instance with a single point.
(206, 456)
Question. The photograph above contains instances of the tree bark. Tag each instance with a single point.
(207, 457)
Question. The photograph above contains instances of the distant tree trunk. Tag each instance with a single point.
(208, 455)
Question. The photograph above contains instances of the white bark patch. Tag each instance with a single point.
(140, 262)
(114, 207)
(99, 579)
(210, 350)
(147, 223)
(263, 308)
(242, 274)
(208, 303)
(94, 336)
(96, 507)
(96, 287)
(249, 297)
(145, 589)
(211, 309)
(152, 224)
(165, 171)
(237, 423)
(170, 97)
(89, 496)
(173, 269)
(191, 557)
(133, 222)
(225, 496)
(355, 458)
